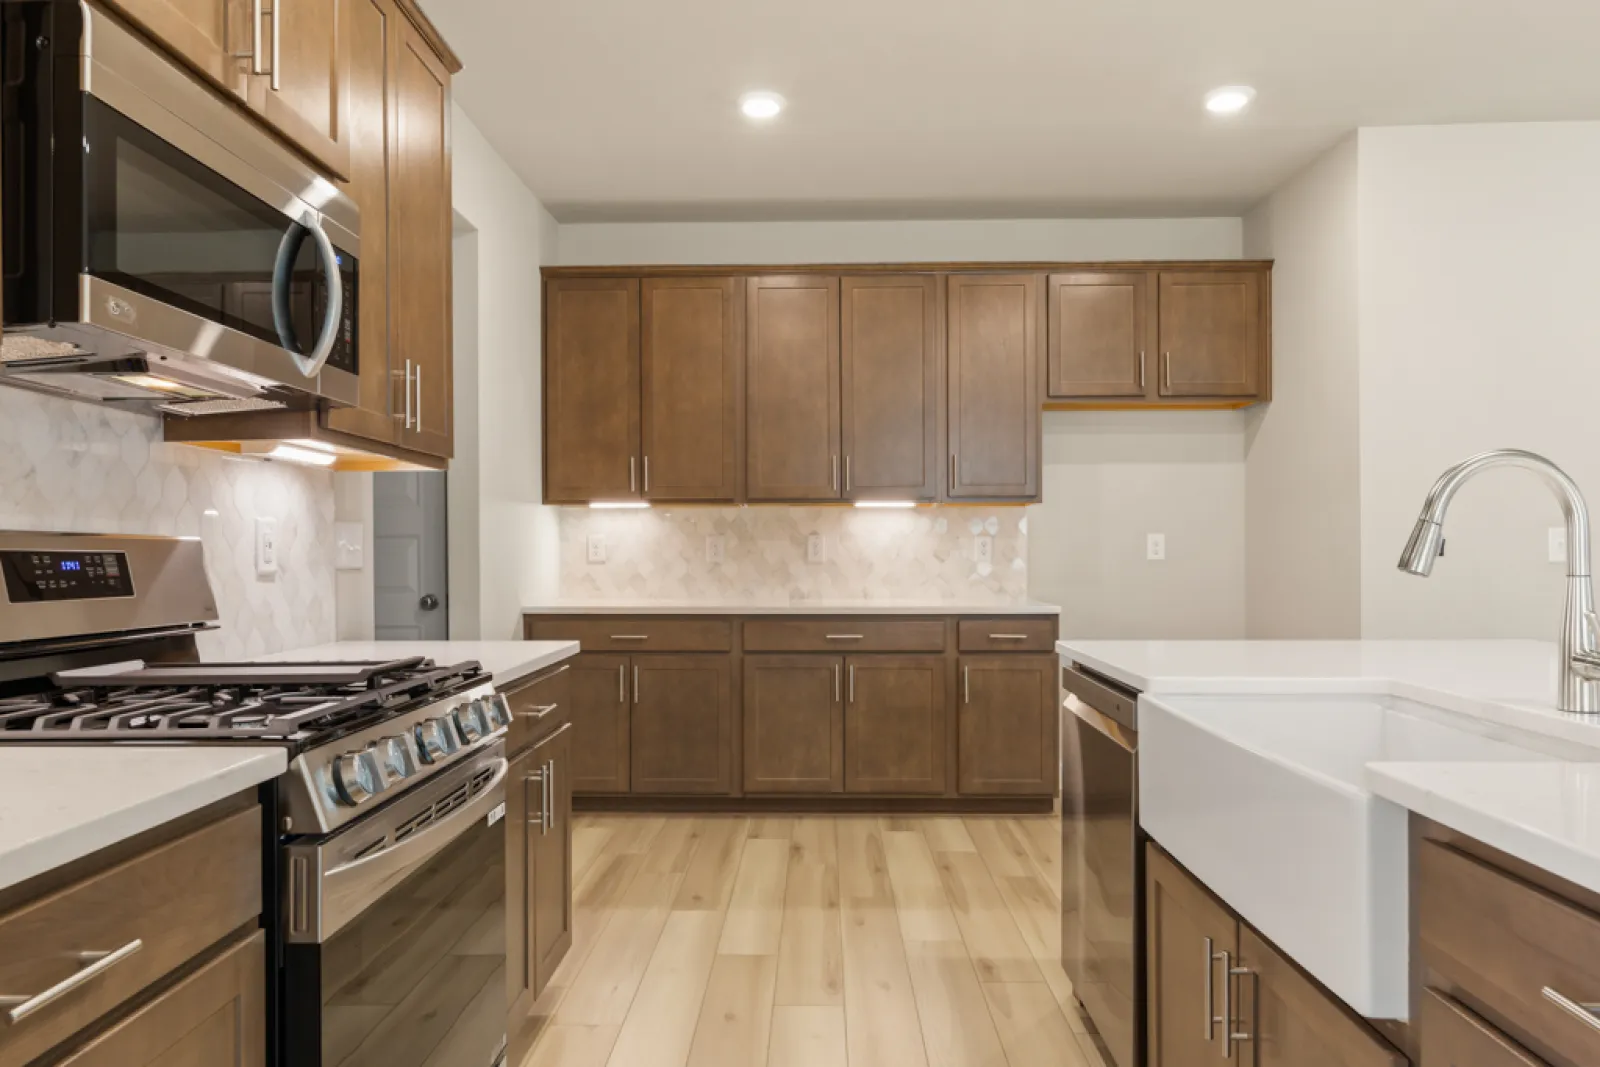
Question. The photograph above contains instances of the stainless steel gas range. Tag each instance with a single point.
(384, 854)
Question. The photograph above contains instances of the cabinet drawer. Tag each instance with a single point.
(636, 635)
(844, 635)
(174, 902)
(538, 706)
(1007, 635)
(1510, 950)
(1454, 1037)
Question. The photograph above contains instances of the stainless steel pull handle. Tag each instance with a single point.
(1588, 1014)
(1211, 990)
(549, 795)
(952, 485)
(540, 711)
(847, 474)
(844, 637)
(1008, 637)
(419, 390)
(98, 963)
(1227, 1004)
(530, 778)
(622, 684)
(255, 55)
(1166, 370)
(630, 637)
(277, 44)
(836, 683)
(834, 484)
(636, 683)
(647, 474)
(1141, 370)
(631, 482)
(408, 394)
(852, 683)
(1233, 1035)
(966, 685)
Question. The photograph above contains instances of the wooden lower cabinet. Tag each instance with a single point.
(550, 856)
(1217, 992)
(1452, 1036)
(894, 724)
(601, 721)
(1009, 721)
(793, 724)
(216, 1017)
(521, 987)
(682, 729)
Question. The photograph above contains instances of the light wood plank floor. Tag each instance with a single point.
(814, 941)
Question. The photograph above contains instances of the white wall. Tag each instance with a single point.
(1480, 328)
(1302, 480)
(511, 556)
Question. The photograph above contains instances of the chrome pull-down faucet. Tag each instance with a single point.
(1580, 630)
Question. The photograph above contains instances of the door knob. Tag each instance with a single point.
(428, 603)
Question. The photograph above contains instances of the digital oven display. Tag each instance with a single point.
(44, 577)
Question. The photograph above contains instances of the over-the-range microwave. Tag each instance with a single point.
(159, 248)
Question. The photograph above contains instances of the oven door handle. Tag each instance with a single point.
(350, 888)
(282, 286)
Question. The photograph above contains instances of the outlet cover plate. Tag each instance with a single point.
(596, 546)
(716, 548)
(816, 548)
(266, 546)
(1155, 546)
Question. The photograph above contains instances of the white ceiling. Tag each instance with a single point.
(626, 109)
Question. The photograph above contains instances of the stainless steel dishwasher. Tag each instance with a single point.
(1102, 860)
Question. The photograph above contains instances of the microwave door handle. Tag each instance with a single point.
(282, 282)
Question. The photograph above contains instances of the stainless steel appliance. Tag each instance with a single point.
(160, 249)
(384, 844)
(1102, 860)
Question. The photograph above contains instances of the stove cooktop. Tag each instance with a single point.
(303, 705)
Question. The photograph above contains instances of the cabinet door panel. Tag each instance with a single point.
(793, 724)
(598, 690)
(682, 724)
(1294, 1023)
(368, 28)
(1183, 966)
(522, 801)
(1099, 334)
(216, 1017)
(1009, 721)
(1452, 1036)
(1211, 342)
(591, 367)
(890, 352)
(895, 739)
(550, 849)
(212, 36)
(994, 386)
(692, 373)
(792, 368)
(306, 97)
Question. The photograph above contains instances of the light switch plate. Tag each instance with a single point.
(349, 546)
(716, 548)
(983, 550)
(266, 546)
(1558, 544)
(816, 548)
(597, 548)
(1155, 546)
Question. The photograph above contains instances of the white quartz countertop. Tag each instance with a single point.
(508, 661)
(59, 803)
(791, 607)
(1545, 813)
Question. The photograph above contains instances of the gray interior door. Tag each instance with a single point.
(410, 570)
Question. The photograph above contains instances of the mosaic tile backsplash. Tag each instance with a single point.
(83, 468)
(921, 554)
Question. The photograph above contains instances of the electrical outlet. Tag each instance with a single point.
(716, 548)
(266, 547)
(983, 550)
(349, 546)
(816, 548)
(1558, 544)
(1155, 546)
(597, 548)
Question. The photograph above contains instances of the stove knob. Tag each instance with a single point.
(393, 757)
(436, 740)
(498, 710)
(469, 720)
(356, 777)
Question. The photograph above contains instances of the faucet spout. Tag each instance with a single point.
(1580, 630)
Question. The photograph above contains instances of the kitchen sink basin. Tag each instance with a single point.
(1264, 800)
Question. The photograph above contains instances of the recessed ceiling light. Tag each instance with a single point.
(1230, 99)
(761, 106)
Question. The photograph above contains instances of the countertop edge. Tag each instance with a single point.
(888, 609)
(548, 658)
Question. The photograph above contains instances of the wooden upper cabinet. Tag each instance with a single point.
(421, 217)
(794, 724)
(692, 377)
(368, 28)
(891, 394)
(306, 96)
(591, 398)
(1212, 333)
(895, 740)
(1101, 334)
(1187, 931)
(212, 36)
(994, 420)
(792, 390)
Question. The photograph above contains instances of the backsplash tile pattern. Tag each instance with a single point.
(926, 553)
(82, 468)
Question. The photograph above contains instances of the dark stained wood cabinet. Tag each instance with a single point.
(792, 388)
(891, 386)
(793, 724)
(993, 348)
(591, 390)
(692, 381)
(522, 799)
(1101, 334)
(1211, 333)
(1009, 719)
(549, 898)
(601, 721)
(894, 718)
(682, 730)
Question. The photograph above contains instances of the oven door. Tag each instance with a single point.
(396, 931)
